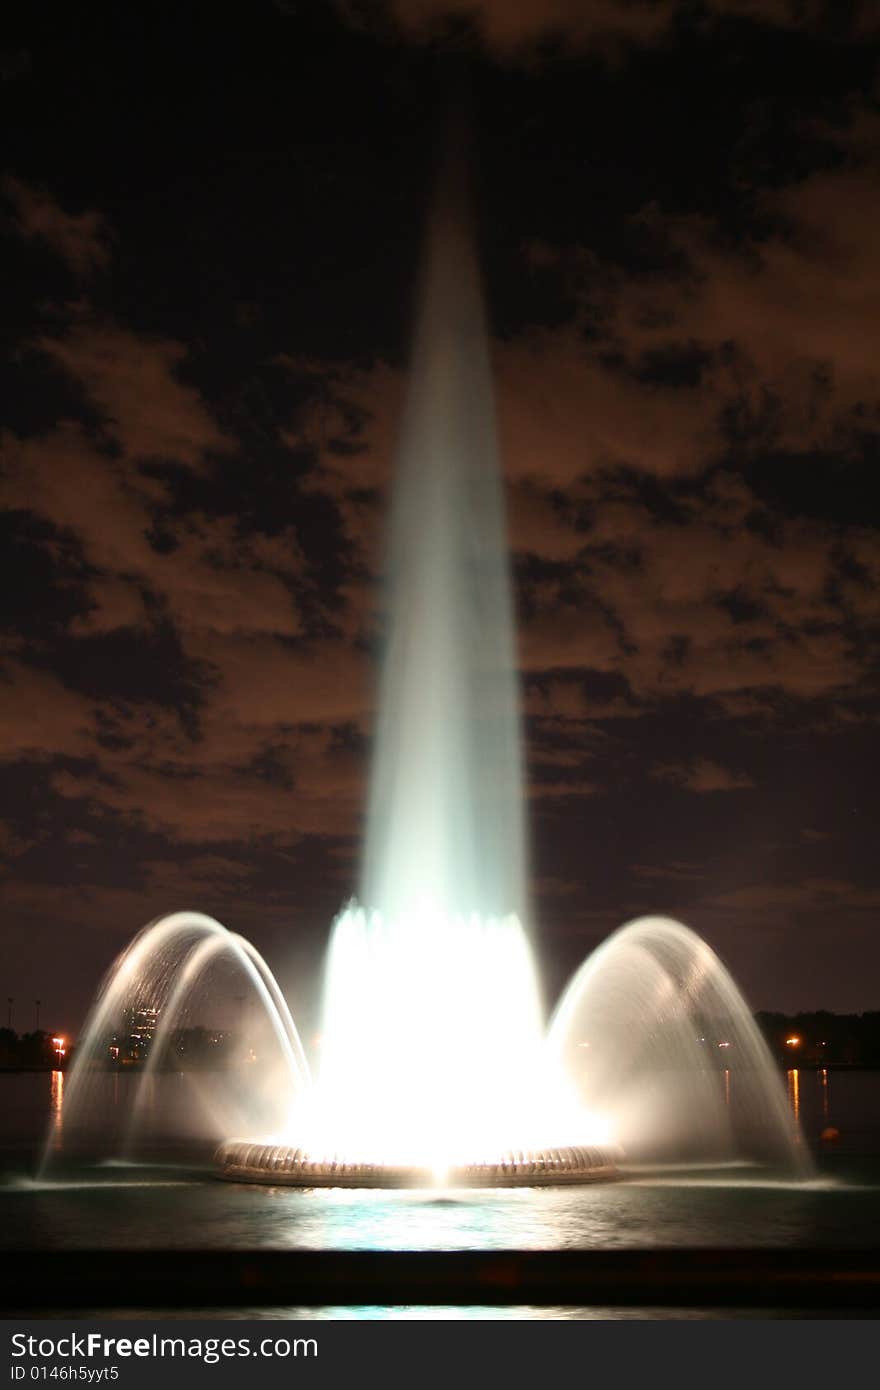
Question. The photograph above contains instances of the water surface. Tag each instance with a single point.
(170, 1199)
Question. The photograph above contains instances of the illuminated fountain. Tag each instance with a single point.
(435, 1061)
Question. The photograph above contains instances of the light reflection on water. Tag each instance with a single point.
(132, 1209)
(418, 1313)
(794, 1093)
(56, 1110)
(56, 1098)
(456, 1313)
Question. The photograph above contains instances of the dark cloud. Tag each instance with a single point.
(703, 775)
(514, 29)
(80, 239)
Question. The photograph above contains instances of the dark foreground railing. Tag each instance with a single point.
(173, 1279)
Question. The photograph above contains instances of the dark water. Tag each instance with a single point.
(174, 1202)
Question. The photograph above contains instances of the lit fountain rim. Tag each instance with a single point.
(247, 1160)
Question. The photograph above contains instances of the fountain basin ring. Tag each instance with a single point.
(242, 1160)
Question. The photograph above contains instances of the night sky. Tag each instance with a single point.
(211, 231)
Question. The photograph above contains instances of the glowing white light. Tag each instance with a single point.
(432, 1048)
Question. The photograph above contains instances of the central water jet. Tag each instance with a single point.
(445, 823)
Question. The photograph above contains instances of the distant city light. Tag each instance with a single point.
(724, 1044)
(792, 1042)
(58, 1044)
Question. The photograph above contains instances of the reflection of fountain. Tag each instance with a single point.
(434, 1061)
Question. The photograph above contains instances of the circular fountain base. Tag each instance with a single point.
(242, 1160)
